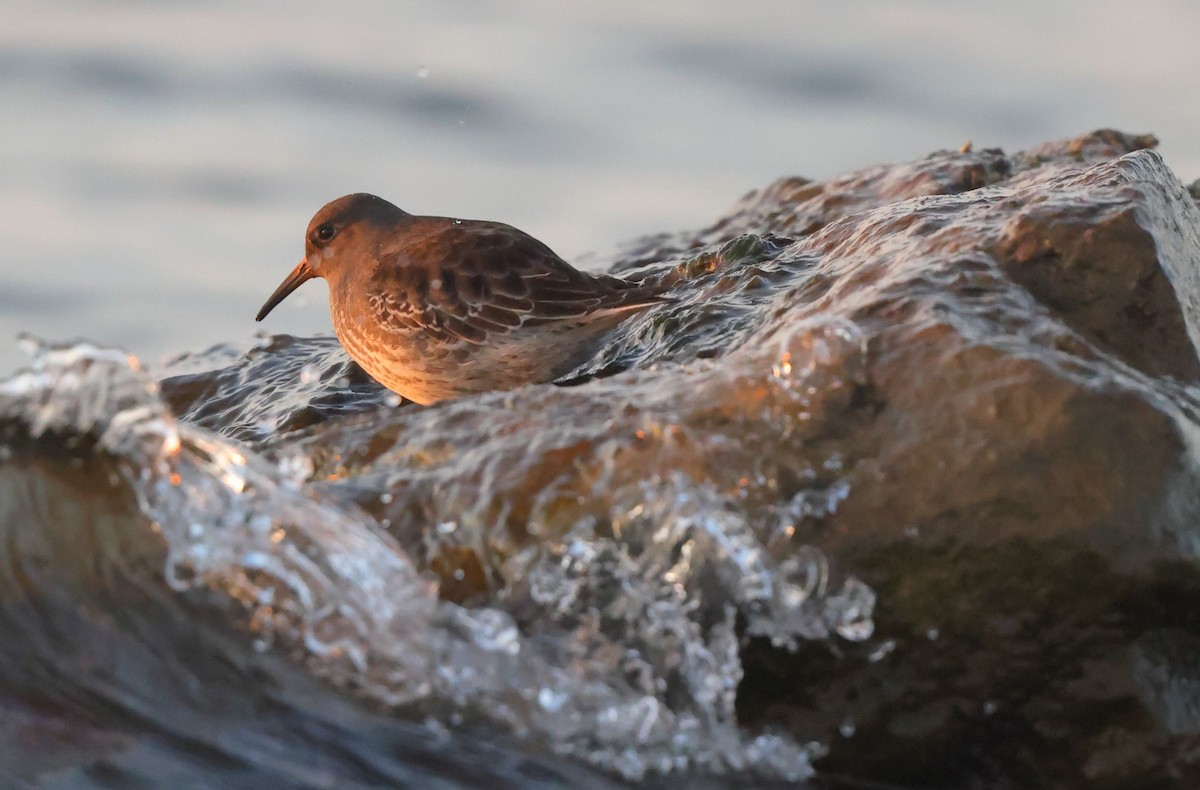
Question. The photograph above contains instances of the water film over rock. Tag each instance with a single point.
(900, 488)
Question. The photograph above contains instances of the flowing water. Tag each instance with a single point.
(590, 586)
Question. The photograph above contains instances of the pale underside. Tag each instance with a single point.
(425, 370)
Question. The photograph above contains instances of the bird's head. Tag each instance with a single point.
(344, 233)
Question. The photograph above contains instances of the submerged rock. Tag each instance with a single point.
(902, 483)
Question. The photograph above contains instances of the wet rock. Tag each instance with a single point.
(906, 470)
(967, 380)
(1096, 265)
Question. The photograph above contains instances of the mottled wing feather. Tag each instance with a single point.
(467, 280)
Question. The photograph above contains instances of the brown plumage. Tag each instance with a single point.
(436, 308)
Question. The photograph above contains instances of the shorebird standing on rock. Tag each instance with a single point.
(436, 308)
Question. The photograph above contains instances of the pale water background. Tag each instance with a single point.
(159, 161)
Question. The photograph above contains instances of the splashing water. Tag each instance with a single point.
(631, 660)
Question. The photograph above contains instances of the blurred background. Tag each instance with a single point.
(159, 161)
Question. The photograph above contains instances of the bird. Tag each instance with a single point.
(437, 308)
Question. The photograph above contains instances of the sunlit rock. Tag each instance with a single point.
(901, 486)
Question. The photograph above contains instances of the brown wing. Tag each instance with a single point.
(468, 280)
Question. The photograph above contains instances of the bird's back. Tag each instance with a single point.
(471, 280)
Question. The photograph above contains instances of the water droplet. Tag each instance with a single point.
(422, 72)
(438, 729)
(385, 498)
(551, 699)
(847, 728)
(885, 647)
(495, 632)
(295, 467)
(856, 631)
(850, 610)
(792, 596)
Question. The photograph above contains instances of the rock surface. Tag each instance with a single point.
(907, 470)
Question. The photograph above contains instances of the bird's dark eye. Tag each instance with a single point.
(326, 232)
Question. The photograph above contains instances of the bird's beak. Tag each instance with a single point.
(294, 280)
